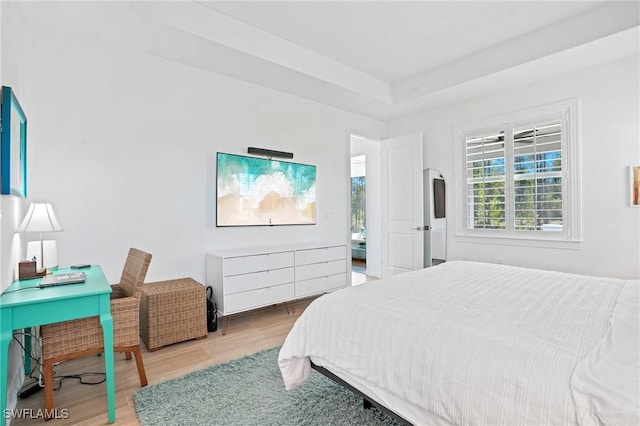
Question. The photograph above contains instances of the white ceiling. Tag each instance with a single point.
(380, 59)
(393, 41)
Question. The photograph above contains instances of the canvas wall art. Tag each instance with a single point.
(261, 191)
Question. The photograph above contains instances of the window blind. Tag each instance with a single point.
(486, 192)
(519, 177)
(537, 177)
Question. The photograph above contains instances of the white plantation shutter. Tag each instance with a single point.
(519, 175)
(529, 157)
(537, 177)
(486, 191)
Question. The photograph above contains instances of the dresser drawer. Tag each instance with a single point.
(258, 262)
(245, 282)
(317, 270)
(239, 302)
(320, 285)
(304, 257)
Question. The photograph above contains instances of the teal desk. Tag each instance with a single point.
(34, 306)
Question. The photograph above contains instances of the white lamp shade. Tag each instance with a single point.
(50, 252)
(40, 218)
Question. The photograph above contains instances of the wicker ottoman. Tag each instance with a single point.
(172, 311)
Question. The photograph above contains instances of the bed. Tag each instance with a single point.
(475, 343)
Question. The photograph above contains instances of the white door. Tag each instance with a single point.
(402, 217)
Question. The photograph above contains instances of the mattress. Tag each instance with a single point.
(475, 343)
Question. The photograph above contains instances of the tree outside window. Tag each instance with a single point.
(358, 218)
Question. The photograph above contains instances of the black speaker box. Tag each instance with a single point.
(269, 152)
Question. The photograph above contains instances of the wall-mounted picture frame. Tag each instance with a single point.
(13, 145)
(634, 180)
(254, 191)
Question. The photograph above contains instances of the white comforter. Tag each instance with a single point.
(475, 343)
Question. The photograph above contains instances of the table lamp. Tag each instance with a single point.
(40, 218)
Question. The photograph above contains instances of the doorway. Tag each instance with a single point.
(358, 216)
(365, 215)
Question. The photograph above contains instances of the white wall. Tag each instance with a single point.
(610, 132)
(11, 208)
(123, 144)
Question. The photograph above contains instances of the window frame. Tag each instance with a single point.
(566, 111)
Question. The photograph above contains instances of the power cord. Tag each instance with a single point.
(81, 377)
(33, 387)
(20, 289)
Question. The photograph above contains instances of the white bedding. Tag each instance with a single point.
(473, 343)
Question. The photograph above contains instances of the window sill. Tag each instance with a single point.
(513, 241)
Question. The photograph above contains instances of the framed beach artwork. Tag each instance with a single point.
(254, 191)
(634, 173)
(13, 145)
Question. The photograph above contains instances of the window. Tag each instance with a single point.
(537, 177)
(358, 208)
(521, 177)
(486, 185)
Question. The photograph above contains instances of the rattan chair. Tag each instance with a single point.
(77, 338)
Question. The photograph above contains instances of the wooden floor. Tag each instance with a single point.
(359, 263)
(86, 404)
(248, 333)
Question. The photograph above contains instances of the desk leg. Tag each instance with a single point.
(107, 332)
(27, 350)
(6, 333)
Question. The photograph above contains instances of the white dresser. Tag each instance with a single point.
(246, 279)
(320, 270)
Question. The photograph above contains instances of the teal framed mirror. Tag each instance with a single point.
(13, 145)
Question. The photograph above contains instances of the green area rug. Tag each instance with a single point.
(250, 391)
